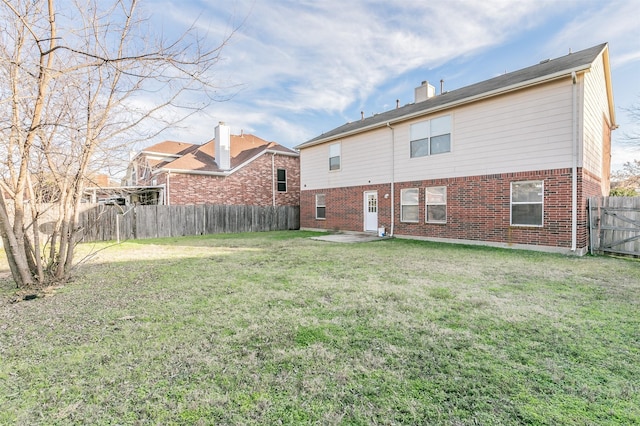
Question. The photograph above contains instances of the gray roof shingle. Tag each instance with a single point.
(563, 65)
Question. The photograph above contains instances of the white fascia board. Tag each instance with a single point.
(158, 155)
(287, 154)
(190, 172)
(484, 95)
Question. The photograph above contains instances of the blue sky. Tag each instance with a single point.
(300, 68)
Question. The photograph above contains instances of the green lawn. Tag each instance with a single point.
(276, 328)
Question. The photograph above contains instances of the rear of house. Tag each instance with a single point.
(510, 161)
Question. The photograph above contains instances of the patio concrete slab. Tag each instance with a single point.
(349, 237)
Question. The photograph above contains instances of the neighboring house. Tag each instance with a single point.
(231, 169)
(509, 161)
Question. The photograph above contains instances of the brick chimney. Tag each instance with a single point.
(223, 146)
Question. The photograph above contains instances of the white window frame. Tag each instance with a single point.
(321, 203)
(513, 203)
(404, 204)
(430, 201)
(426, 131)
(278, 181)
(335, 151)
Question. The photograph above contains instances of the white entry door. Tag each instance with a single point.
(371, 211)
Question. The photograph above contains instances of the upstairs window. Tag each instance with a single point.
(431, 137)
(409, 205)
(282, 180)
(321, 209)
(436, 204)
(527, 203)
(334, 156)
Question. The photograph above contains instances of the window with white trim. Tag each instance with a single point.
(409, 209)
(527, 204)
(334, 156)
(435, 200)
(430, 137)
(321, 208)
(282, 180)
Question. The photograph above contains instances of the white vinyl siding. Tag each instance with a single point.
(521, 131)
(595, 111)
(365, 159)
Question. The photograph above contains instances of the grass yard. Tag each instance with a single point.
(276, 328)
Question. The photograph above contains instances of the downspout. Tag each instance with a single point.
(574, 165)
(273, 179)
(393, 184)
(168, 191)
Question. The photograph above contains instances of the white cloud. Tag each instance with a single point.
(304, 64)
(327, 55)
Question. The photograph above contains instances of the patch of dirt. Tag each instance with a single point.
(28, 294)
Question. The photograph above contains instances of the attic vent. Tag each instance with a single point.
(545, 61)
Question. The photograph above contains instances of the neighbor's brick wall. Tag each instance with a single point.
(251, 185)
(478, 208)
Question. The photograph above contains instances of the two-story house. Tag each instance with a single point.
(230, 169)
(510, 161)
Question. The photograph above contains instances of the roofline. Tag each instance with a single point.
(287, 154)
(159, 154)
(607, 77)
(102, 188)
(226, 172)
(536, 81)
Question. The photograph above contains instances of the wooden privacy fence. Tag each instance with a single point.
(614, 224)
(105, 223)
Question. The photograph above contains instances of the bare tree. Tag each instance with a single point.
(73, 89)
(633, 112)
(627, 180)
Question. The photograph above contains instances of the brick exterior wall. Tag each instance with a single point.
(588, 186)
(250, 185)
(478, 209)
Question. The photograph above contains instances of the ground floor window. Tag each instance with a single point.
(321, 209)
(409, 205)
(282, 180)
(436, 204)
(527, 203)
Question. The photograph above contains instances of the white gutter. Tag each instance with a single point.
(574, 165)
(393, 178)
(484, 95)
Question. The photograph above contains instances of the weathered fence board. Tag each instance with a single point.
(99, 223)
(615, 225)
